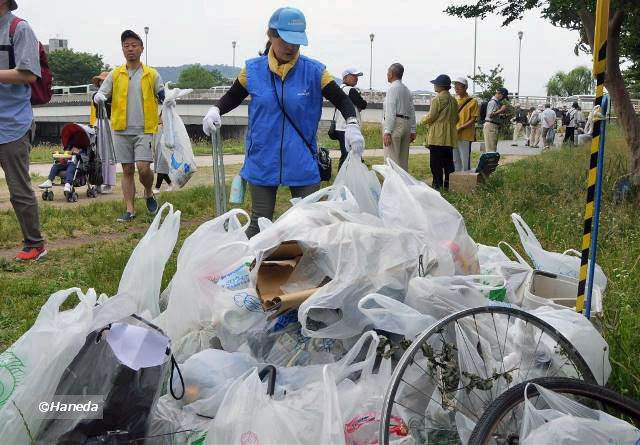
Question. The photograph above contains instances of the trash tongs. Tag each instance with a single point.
(219, 183)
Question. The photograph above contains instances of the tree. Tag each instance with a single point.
(489, 82)
(579, 15)
(577, 81)
(198, 77)
(74, 68)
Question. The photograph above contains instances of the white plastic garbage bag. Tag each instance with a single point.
(207, 376)
(583, 336)
(493, 261)
(175, 141)
(411, 204)
(361, 181)
(391, 315)
(361, 405)
(170, 424)
(567, 263)
(564, 421)
(248, 415)
(350, 254)
(210, 289)
(142, 276)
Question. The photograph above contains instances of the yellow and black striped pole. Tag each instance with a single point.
(591, 214)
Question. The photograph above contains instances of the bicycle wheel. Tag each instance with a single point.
(451, 372)
(500, 423)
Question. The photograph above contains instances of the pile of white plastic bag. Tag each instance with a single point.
(394, 257)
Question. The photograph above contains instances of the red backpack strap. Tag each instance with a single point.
(12, 28)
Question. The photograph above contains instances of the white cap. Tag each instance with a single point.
(352, 70)
(541, 107)
(462, 80)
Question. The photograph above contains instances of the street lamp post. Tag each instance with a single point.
(371, 36)
(233, 44)
(520, 34)
(146, 48)
(475, 52)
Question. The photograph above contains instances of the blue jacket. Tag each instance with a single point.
(275, 153)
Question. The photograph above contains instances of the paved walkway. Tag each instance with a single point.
(504, 147)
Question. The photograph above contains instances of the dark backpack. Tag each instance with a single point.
(483, 110)
(41, 88)
(566, 118)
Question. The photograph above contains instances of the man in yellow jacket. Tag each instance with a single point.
(135, 91)
(442, 134)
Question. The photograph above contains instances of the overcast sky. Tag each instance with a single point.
(414, 32)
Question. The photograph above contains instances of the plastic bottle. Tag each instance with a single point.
(237, 190)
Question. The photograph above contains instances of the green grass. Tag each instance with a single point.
(547, 190)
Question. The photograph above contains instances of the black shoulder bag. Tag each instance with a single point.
(322, 156)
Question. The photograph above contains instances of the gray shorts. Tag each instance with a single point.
(132, 148)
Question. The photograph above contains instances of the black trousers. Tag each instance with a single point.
(343, 148)
(568, 135)
(162, 177)
(441, 163)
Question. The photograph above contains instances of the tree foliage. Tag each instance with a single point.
(198, 77)
(74, 68)
(488, 82)
(577, 81)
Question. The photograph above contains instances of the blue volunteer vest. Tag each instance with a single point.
(275, 153)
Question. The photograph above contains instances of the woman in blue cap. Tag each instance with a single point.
(287, 91)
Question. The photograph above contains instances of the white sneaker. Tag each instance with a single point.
(106, 189)
(67, 188)
(155, 191)
(46, 184)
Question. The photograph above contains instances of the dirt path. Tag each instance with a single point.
(201, 177)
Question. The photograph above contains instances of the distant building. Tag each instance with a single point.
(56, 44)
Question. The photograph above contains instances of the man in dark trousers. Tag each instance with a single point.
(19, 66)
(350, 78)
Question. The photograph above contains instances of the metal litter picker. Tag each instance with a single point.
(219, 185)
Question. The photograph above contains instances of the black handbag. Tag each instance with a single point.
(322, 155)
(332, 128)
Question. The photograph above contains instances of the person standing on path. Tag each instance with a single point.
(135, 91)
(520, 122)
(468, 112)
(108, 169)
(495, 109)
(287, 91)
(399, 125)
(548, 120)
(350, 78)
(442, 134)
(535, 122)
(19, 66)
(573, 119)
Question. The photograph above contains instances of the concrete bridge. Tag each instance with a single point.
(66, 108)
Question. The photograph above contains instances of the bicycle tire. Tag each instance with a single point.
(517, 313)
(511, 398)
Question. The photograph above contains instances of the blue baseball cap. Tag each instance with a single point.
(290, 24)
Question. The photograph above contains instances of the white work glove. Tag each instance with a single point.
(353, 139)
(99, 98)
(169, 103)
(211, 121)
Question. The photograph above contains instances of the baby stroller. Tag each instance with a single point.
(88, 164)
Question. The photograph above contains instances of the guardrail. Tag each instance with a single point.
(370, 96)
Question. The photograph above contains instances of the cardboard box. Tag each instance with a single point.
(464, 182)
(273, 272)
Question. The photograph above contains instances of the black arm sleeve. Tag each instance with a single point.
(357, 99)
(232, 98)
(336, 96)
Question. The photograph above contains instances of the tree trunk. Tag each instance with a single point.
(614, 82)
(629, 121)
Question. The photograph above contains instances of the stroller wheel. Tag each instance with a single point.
(45, 196)
(50, 195)
(74, 197)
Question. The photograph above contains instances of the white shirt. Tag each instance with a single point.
(398, 101)
(548, 118)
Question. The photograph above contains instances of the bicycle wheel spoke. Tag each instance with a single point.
(471, 357)
(533, 358)
(484, 363)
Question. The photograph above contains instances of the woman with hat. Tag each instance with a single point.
(442, 137)
(108, 169)
(287, 91)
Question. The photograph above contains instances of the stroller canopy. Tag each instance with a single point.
(77, 135)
